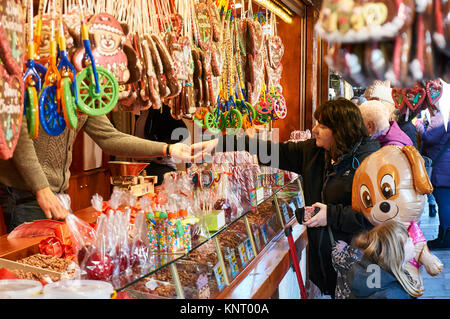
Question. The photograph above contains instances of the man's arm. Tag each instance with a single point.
(117, 143)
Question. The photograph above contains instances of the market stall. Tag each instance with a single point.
(214, 64)
(224, 67)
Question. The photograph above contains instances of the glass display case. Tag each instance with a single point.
(218, 258)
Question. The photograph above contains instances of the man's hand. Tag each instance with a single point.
(205, 149)
(50, 204)
(320, 219)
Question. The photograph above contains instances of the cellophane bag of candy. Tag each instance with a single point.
(226, 194)
(140, 247)
(94, 258)
(83, 236)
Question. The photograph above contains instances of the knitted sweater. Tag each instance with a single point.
(45, 161)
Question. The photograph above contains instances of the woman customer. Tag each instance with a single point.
(327, 164)
(380, 273)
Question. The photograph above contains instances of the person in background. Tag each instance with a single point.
(436, 145)
(380, 272)
(382, 91)
(327, 164)
(376, 118)
(358, 97)
(160, 126)
(422, 119)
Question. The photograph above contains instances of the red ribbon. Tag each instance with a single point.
(51, 246)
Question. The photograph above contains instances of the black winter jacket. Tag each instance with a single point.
(322, 182)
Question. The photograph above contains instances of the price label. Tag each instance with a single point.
(243, 254)
(233, 264)
(253, 198)
(285, 212)
(203, 287)
(220, 278)
(269, 228)
(299, 201)
(293, 207)
(260, 180)
(259, 195)
(249, 249)
(257, 239)
(264, 234)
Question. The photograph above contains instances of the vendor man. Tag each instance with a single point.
(39, 168)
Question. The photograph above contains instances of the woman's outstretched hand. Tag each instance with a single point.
(204, 150)
(183, 153)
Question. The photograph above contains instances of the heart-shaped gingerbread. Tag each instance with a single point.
(414, 96)
(434, 91)
(12, 49)
(397, 96)
(11, 112)
(12, 35)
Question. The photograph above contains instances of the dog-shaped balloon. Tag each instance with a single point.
(392, 184)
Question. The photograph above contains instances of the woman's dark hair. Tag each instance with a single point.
(344, 119)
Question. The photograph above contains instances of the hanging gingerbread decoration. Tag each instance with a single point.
(108, 38)
(12, 49)
(441, 35)
(44, 45)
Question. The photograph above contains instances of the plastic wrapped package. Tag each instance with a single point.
(186, 221)
(202, 205)
(226, 197)
(65, 201)
(162, 229)
(246, 177)
(97, 203)
(121, 248)
(145, 205)
(174, 233)
(83, 236)
(94, 259)
(140, 248)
